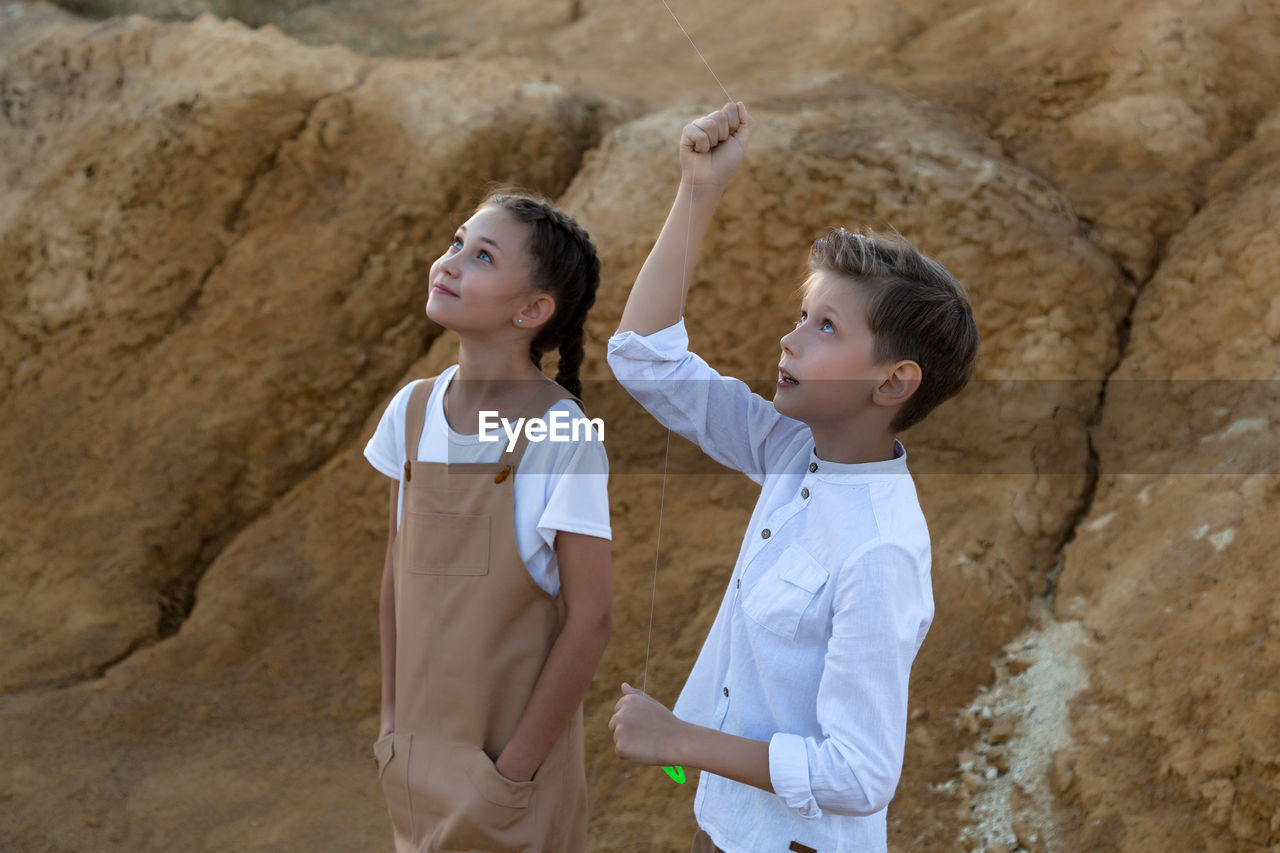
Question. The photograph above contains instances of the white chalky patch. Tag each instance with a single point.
(1099, 523)
(1040, 698)
(1258, 424)
(1243, 425)
(1223, 538)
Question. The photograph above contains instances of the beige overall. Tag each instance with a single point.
(472, 632)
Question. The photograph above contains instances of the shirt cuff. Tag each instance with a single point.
(789, 774)
(663, 345)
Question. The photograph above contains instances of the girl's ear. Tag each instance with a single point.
(536, 311)
(899, 385)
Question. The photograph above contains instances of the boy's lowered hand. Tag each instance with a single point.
(711, 147)
(643, 729)
(646, 732)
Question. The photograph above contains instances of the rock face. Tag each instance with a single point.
(1155, 726)
(1174, 576)
(211, 240)
(249, 729)
(1125, 107)
(207, 284)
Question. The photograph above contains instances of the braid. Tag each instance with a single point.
(571, 348)
(565, 264)
(571, 335)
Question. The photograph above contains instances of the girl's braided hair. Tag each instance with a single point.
(565, 264)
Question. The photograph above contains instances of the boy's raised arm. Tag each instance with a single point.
(710, 150)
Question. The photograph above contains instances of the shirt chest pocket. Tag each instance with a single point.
(783, 592)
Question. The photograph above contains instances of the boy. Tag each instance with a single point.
(796, 708)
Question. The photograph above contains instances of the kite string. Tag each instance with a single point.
(684, 287)
(662, 499)
(653, 594)
(695, 50)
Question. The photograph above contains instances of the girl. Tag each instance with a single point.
(496, 599)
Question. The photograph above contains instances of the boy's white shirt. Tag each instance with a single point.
(560, 485)
(812, 646)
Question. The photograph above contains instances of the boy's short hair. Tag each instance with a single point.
(915, 309)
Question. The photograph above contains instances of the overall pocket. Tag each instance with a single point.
(487, 811)
(383, 750)
(441, 544)
(784, 591)
(393, 751)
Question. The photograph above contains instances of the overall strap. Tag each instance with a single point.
(544, 399)
(414, 419)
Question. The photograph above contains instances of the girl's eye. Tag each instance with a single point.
(457, 243)
(485, 256)
(827, 327)
(803, 316)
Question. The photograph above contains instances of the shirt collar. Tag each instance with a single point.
(855, 472)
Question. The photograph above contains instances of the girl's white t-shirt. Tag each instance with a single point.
(561, 485)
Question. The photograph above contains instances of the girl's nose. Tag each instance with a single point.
(788, 342)
(448, 264)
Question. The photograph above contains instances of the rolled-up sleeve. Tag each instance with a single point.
(633, 356)
(883, 606)
(789, 774)
(731, 423)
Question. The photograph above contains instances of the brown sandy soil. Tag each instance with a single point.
(211, 245)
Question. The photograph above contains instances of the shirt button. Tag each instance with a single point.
(804, 493)
(813, 466)
(726, 691)
(764, 534)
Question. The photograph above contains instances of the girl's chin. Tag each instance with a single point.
(435, 315)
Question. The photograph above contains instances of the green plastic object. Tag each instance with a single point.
(676, 774)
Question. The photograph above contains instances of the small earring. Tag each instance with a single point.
(520, 320)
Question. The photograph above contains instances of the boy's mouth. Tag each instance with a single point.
(786, 380)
